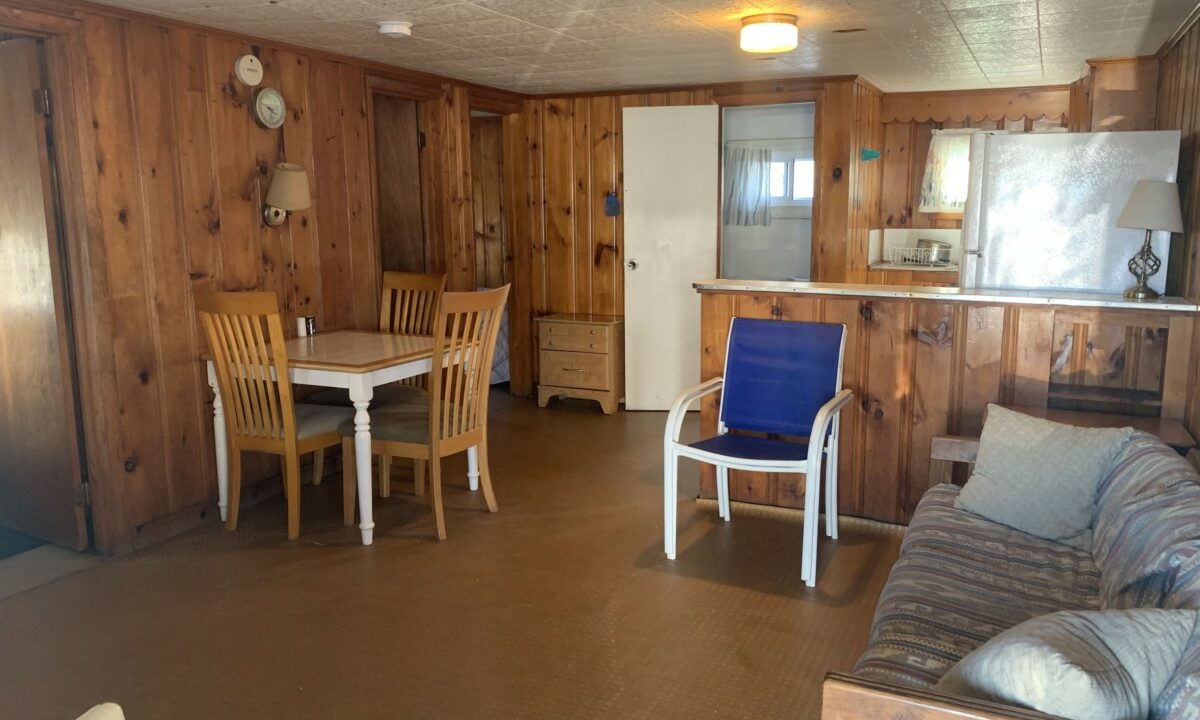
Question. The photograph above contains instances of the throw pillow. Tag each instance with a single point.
(1085, 665)
(1039, 476)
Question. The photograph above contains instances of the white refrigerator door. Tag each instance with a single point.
(1042, 209)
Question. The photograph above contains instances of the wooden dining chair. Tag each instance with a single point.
(245, 335)
(455, 417)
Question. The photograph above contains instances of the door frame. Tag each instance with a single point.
(816, 96)
(514, 155)
(61, 33)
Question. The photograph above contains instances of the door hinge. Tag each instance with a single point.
(83, 494)
(41, 101)
(420, 141)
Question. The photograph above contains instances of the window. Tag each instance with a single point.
(791, 178)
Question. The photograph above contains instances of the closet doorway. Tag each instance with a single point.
(492, 264)
(42, 480)
(400, 209)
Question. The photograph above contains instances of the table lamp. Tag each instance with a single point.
(288, 192)
(1153, 205)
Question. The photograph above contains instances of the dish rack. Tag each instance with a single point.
(911, 256)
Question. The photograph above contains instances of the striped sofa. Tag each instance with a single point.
(961, 579)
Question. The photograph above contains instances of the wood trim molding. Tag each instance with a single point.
(501, 102)
(976, 105)
(37, 19)
(400, 87)
(1192, 18)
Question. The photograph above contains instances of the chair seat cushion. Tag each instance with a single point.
(313, 420)
(394, 394)
(746, 447)
(395, 425)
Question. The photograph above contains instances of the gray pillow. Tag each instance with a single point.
(1090, 665)
(1039, 476)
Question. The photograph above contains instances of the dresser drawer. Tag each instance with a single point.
(575, 369)
(573, 336)
(575, 343)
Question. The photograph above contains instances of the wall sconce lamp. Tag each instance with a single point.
(288, 192)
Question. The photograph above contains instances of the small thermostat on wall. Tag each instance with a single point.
(249, 70)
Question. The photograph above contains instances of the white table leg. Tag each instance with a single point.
(221, 444)
(361, 394)
(473, 467)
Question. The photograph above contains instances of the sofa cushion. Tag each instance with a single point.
(1147, 528)
(1097, 665)
(1180, 700)
(961, 580)
(1040, 476)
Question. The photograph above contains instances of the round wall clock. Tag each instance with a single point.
(248, 70)
(269, 108)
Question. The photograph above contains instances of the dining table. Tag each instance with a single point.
(358, 361)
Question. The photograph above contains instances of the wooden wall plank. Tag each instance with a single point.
(559, 134)
(603, 246)
(581, 203)
(303, 270)
(933, 363)
(885, 390)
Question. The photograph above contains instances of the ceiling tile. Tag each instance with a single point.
(570, 45)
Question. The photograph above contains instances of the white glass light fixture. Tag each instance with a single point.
(769, 33)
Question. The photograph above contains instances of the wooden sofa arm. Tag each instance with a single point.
(846, 697)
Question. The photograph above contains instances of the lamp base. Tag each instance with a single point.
(1140, 292)
(1142, 265)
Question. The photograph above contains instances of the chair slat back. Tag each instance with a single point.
(409, 302)
(245, 335)
(465, 333)
(779, 373)
(409, 307)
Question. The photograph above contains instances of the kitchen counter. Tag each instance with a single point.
(968, 295)
(926, 361)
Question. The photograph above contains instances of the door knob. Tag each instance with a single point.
(632, 264)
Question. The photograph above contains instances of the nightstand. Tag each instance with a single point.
(581, 356)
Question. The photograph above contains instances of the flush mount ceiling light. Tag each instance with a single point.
(769, 33)
(395, 28)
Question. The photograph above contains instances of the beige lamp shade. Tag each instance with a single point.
(289, 188)
(1153, 205)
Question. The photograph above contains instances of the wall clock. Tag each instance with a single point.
(248, 70)
(269, 108)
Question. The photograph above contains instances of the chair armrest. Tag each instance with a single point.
(846, 697)
(686, 398)
(825, 415)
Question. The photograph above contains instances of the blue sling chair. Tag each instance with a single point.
(783, 382)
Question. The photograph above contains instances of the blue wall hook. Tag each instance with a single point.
(612, 205)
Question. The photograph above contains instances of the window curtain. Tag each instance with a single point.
(747, 198)
(947, 168)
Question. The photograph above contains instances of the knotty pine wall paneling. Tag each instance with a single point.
(1178, 108)
(165, 170)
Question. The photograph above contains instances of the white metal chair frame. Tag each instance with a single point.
(827, 425)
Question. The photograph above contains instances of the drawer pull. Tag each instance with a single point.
(572, 369)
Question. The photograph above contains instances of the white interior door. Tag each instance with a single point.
(671, 196)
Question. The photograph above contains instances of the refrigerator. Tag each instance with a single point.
(1042, 209)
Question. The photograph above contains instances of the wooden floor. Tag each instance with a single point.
(559, 606)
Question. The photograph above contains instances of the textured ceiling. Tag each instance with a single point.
(550, 46)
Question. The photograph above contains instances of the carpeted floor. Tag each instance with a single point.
(559, 606)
